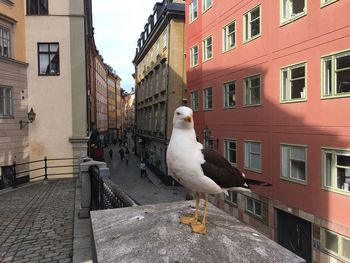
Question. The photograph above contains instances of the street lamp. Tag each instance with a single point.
(31, 117)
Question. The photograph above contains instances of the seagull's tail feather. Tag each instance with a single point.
(256, 182)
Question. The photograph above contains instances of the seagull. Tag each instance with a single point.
(202, 171)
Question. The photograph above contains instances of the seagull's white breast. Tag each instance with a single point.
(184, 159)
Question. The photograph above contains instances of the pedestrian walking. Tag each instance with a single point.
(121, 153)
(127, 156)
(143, 169)
(110, 154)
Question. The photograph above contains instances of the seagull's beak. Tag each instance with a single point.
(188, 118)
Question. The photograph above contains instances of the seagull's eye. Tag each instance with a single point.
(177, 113)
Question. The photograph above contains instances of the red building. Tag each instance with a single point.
(269, 83)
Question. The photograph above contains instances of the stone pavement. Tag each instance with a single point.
(144, 191)
(36, 222)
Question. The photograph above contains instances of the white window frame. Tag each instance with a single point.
(7, 102)
(289, 176)
(193, 55)
(340, 243)
(247, 84)
(247, 21)
(329, 88)
(286, 15)
(206, 48)
(248, 152)
(193, 10)
(333, 176)
(286, 83)
(227, 94)
(206, 5)
(206, 98)
(232, 198)
(194, 100)
(228, 149)
(226, 37)
(254, 205)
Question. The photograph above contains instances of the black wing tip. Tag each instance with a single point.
(257, 182)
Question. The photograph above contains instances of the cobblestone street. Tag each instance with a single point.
(37, 222)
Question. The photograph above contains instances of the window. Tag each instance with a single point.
(230, 151)
(207, 4)
(252, 89)
(336, 170)
(229, 90)
(164, 77)
(253, 207)
(49, 61)
(229, 36)
(157, 49)
(193, 10)
(194, 100)
(252, 24)
(293, 83)
(207, 48)
(335, 244)
(208, 143)
(194, 56)
(208, 99)
(293, 163)
(336, 75)
(252, 156)
(5, 42)
(292, 9)
(165, 39)
(231, 198)
(37, 7)
(5, 101)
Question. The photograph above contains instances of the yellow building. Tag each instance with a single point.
(13, 88)
(160, 81)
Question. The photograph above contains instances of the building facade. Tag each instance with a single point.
(101, 100)
(269, 84)
(112, 80)
(56, 78)
(160, 81)
(118, 103)
(13, 88)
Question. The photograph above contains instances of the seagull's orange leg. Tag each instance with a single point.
(187, 220)
(201, 228)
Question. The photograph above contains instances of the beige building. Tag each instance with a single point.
(56, 78)
(160, 82)
(118, 104)
(101, 100)
(13, 88)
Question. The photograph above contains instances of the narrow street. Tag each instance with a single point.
(143, 190)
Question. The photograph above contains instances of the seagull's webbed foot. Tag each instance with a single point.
(199, 228)
(189, 220)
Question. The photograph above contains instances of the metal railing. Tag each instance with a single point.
(105, 194)
(49, 166)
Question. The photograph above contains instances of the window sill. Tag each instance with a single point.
(211, 109)
(251, 105)
(8, 117)
(345, 95)
(300, 182)
(336, 191)
(251, 39)
(208, 59)
(191, 22)
(229, 49)
(293, 101)
(260, 218)
(229, 107)
(194, 66)
(49, 75)
(253, 170)
(291, 20)
(327, 4)
(206, 10)
(230, 203)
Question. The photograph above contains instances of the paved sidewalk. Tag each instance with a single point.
(36, 222)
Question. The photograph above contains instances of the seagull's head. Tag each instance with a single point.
(183, 118)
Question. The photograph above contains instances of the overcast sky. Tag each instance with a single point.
(118, 25)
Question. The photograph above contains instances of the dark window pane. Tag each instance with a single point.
(343, 62)
(346, 248)
(343, 81)
(53, 47)
(44, 64)
(298, 72)
(255, 28)
(298, 6)
(32, 7)
(255, 14)
(297, 89)
(298, 170)
(43, 7)
(257, 208)
(343, 160)
(328, 77)
(54, 64)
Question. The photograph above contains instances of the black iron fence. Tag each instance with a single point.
(105, 194)
(19, 173)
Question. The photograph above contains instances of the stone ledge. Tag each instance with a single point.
(152, 233)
